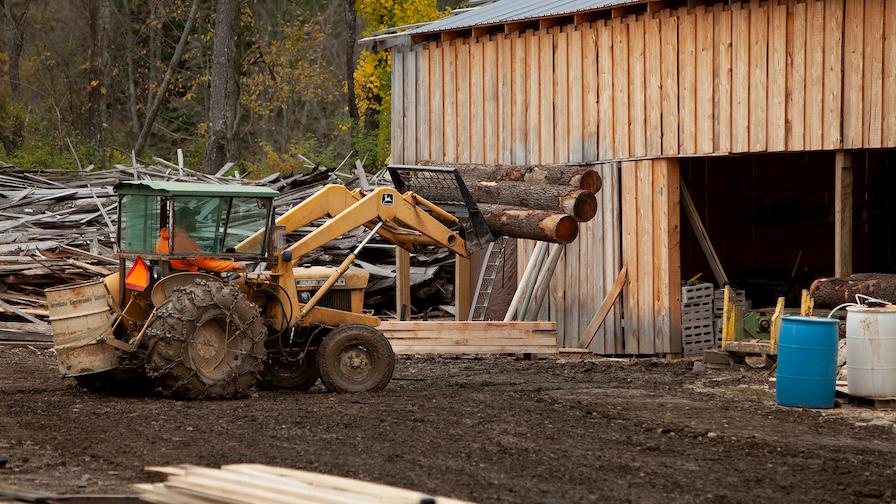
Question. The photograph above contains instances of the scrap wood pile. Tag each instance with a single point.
(256, 483)
(58, 227)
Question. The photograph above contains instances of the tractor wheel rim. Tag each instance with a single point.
(355, 362)
(209, 348)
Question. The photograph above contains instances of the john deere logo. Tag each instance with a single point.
(388, 199)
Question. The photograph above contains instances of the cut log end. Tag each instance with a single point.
(561, 228)
(589, 180)
(582, 206)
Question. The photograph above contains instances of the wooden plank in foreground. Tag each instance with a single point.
(471, 337)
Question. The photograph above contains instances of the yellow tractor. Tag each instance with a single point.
(209, 298)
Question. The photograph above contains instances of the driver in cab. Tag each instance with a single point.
(184, 224)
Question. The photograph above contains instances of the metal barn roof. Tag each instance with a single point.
(509, 11)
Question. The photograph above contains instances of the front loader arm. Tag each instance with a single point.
(382, 207)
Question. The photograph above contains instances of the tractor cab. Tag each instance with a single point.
(176, 226)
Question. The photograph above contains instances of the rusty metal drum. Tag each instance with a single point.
(81, 321)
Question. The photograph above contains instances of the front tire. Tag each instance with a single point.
(206, 342)
(355, 358)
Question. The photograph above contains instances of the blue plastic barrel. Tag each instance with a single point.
(807, 362)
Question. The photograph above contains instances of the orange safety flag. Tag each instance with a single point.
(138, 276)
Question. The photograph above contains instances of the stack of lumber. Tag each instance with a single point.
(536, 202)
(471, 337)
(262, 484)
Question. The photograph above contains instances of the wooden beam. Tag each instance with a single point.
(424, 337)
(463, 290)
(842, 214)
(599, 317)
(402, 284)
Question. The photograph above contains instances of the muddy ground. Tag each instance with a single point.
(487, 430)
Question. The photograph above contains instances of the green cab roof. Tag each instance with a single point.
(155, 188)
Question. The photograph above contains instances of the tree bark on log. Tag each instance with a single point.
(831, 292)
(581, 176)
(580, 204)
(541, 225)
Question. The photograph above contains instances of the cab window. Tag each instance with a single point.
(247, 216)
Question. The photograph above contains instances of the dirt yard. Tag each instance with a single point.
(487, 430)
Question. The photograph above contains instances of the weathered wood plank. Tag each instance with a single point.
(437, 102)
(477, 101)
(777, 77)
(605, 90)
(852, 81)
(546, 73)
(722, 57)
(687, 82)
(621, 126)
(796, 75)
(561, 96)
(843, 205)
(590, 92)
(423, 108)
(491, 119)
(669, 34)
(450, 115)
(637, 104)
(833, 74)
(647, 258)
(758, 76)
(654, 91)
(410, 108)
(576, 125)
(504, 120)
(533, 94)
(396, 143)
(704, 108)
(889, 75)
(740, 84)
(872, 119)
(630, 236)
(518, 97)
(662, 254)
(814, 74)
(463, 101)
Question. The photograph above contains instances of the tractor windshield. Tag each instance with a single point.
(215, 225)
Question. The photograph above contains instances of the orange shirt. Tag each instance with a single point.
(185, 243)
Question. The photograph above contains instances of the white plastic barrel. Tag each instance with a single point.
(871, 351)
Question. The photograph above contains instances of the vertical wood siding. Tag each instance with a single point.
(786, 75)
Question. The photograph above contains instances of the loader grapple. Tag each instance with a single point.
(445, 187)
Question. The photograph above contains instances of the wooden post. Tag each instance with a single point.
(402, 284)
(842, 214)
(463, 291)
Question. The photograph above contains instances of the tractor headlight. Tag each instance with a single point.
(304, 296)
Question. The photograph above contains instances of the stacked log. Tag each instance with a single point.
(580, 176)
(831, 292)
(537, 202)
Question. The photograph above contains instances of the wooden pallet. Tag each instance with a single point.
(472, 337)
(261, 484)
(883, 403)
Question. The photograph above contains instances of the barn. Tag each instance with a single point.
(764, 129)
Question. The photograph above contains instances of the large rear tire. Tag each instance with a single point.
(355, 358)
(206, 342)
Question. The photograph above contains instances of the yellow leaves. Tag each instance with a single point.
(380, 14)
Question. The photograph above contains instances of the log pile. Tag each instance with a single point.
(831, 292)
(536, 202)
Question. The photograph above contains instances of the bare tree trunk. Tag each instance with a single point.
(100, 24)
(351, 20)
(169, 74)
(15, 40)
(225, 88)
(132, 88)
